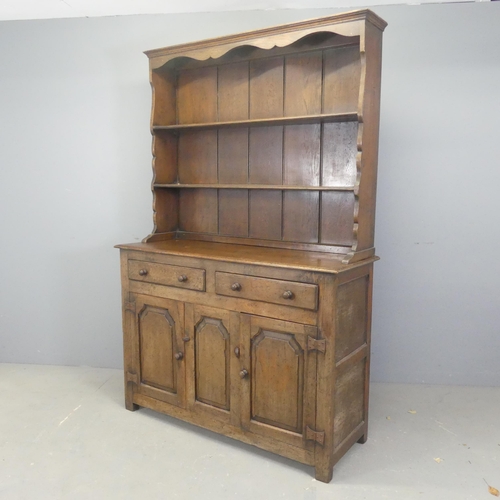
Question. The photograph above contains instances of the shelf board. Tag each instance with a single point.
(288, 120)
(273, 187)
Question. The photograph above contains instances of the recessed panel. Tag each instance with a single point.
(352, 309)
(157, 346)
(277, 380)
(212, 363)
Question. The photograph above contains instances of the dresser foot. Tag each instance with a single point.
(363, 439)
(323, 474)
(131, 406)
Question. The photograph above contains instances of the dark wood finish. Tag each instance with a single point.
(260, 122)
(247, 311)
(163, 274)
(278, 396)
(159, 326)
(286, 293)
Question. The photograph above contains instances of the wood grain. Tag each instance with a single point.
(198, 156)
(233, 213)
(337, 218)
(339, 154)
(303, 74)
(266, 88)
(351, 317)
(198, 210)
(233, 89)
(197, 95)
(341, 79)
(267, 290)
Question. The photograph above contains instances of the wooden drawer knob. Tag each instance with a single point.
(178, 356)
(243, 373)
(182, 278)
(288, 295)
(143, 272)
(236, 287)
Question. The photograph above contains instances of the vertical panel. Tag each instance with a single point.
(198, 210)
(303, 74)
(165, 157)
(265, 215)
(349, 401)
(337, 218)
(212, 363)
(157, 346)
(301, 168)
(339, 154)
(233, 91)
(265, 167)
(233, 155)
(266, 88)
(165, 209)
(301, 155)
(163, 86)
(301, 216)
(342, 73)
(351, 317)
(198, 157)
(233, 212)
(277, 380)
(197, 95)
(266, 155)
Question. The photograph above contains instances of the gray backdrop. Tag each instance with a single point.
(75, 180)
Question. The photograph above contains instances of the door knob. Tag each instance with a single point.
(243, 373)
(182, 278)
(288, 295)
(143, 272)
(236, 287)
(178, 356)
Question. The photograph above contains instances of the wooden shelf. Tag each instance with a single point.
(255, 186)
(293, 120)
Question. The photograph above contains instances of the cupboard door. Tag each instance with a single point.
(278, 379)
(159, 327)
(212, 362)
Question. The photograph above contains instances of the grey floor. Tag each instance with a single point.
(64, 434)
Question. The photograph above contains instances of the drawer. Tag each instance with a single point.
(165, 274)
(287, 293)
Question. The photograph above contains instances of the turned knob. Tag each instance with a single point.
(178, 356)
(236, 287)
(243, 373)
(182, 278)
(288, 295)
(143, 272)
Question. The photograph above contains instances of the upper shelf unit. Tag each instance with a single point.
(270, 137)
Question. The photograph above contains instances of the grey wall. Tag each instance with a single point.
(75, 175)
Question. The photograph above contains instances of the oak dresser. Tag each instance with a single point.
(247, 310)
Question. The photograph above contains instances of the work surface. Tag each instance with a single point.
(246, 254)
(65, 434)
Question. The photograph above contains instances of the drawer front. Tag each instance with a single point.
(287, 293)
(165, 274)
